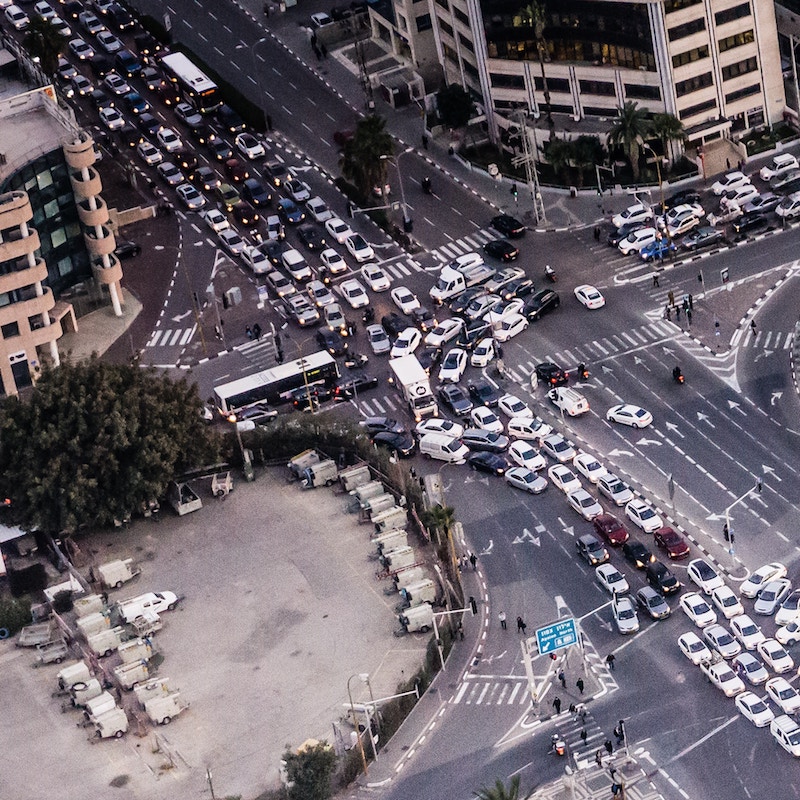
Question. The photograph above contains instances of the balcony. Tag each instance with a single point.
(110, 274)
(15, 208)
(79, 152)
(93, 216)
(102, 245)
(23, 275)
(32, 304)
(17, 246)
(90, 187)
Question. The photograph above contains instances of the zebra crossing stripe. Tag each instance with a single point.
(187, 336)
(513, 694)
(174, 338)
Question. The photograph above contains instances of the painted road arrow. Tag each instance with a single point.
(179, 317)
(733, 404)
(674, 428)
(644, 442)
(770, 471)
(614, 453)
(527, 536)
(775, 397)
(704, 418)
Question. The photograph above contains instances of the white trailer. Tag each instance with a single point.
(77, 672)
(115, 573)
(323, 474)
(84, 691)
(113, 723)
(367, 490)
(302, 461)
(183, 498)
(375, 505)
(353, 477)
(391, 518)
(128, 675)
(419, 618)
(135, 650)
(99, 705)
(90, 604)
(390, 540)
(405, 577)
(163, 709)
(105, 642)
(93, 623)
(414, 386)
(423, 591)
(399, 558)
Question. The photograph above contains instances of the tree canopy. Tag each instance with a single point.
(629, 129)
(309, 772)
(455, 105)
(361, 159)
(501, 792)
(94, 441)
(43, 41)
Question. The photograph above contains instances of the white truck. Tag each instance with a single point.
(115, 573)
(419, 618)
(414, 385)
(113, 723)
(151, 602)
(458, 276)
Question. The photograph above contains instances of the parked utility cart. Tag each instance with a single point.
(160, 702)
(128, 675)
(183, 498)
(33, 635)
(99, 705)
(90, 604)
(115, 573)
(146, 625)
(325, 473)
(113, 723)
(84, 691)
(135, 650)
(93, 623)
(106, 642)
(51, 652)
(298, 465)
(221, 484)
(73, 674)
(419, 618)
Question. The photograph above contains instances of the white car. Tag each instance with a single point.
(789, 207)
(526, 455)
(483, 417)
(503, 277)
(355, 294)
(614, 489)
(704, 575)
(789, 610)
(589, 467)
(775, 657)
(18, 18)
(319, 294)
(783, 694)
(698, 610)
(638, 212)
(171, 175)
(680, 211)
(611, 579)
(564, 478)
(44, 10)
(404, 299)
(376, 278)
(378, 339)
(190, 197)
(512, 406)
(747, 666)
(453, 365)
(335, 321)
(755, 709)
(739, 196)
(333, 261)
(296, 264)
(528, 428)
(256, 260)
(525, 479)
(682, 223)
(280, 284)
(359, 248)
(338, 229)
(298, 190)
(781, 164)
(445, 331)
(557, 447)
(731, 180)
(725, 599)
(723, 677)
(746, 631)
(771, 596)
(643, 516)
(275, 230)
(510, 327)
(761, 577)
(111, 118)
(149, 153)
(584, 504)
(504, 309)
(466, 260)
(215, 220)
(627, 414)
(318, 209)
(109, 42)
(484, 352)
(406, 343)
(231, 241)
(589, 296)
(693, 647)
(440, 425)
(249, 146)
(116, 85)
(636, 240)
(789, 633)
(625, 615)
(719, 638)
(80, 49)
(169, 140)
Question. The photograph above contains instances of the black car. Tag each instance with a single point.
(311, 237)
(480, 440)
(378, 424)
(469, 336)
(203, 134)
(276, 173)
(245, 214)
(394, 324)
(455, 398)
(404, 444)
(185, 159)
(332, 341)
(120, 19)
(618, 234)
(521, 287)
(229, 119)
(353, 386)
(551, 374)
(100, 66)
(752, 220)
(127, 249)
(423, 319)
(702, 237)
(72, 10)
(205, 178)
(501, 249)
(661, 578)
(484, 394)
(308, 398)
(129, 136)
(429, 357)
(220, 149)
(459, 305)
(637, 554)
(254, 191)
(492, 463)
(684, 196)
(100, 99)
(540, 303)
(506, 225)
(148, 123)
(146, 44)
(273, 250)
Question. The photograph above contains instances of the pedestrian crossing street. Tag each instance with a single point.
(259, 352)
(172, 337)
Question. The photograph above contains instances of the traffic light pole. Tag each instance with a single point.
(727, 529)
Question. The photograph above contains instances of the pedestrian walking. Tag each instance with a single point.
(562, 679)
(323, 49)
(584, 736)
(424, 141)
(269, 122)
(671, 297)
(608, 746)
(655, 280)
(598, 758)
(257, 331)
(753, 326)
(597, 233)
(473, 559)
(619, 732)
(691, 302)
(573, 709)
(317, 52)
(579, 684)
(581, 715)
(521, 625)
(557, 705)
(313, 39)
(667, 314)
(279, 356)
(502, 617)
(728, 164)
(461, 631)
(685, 302)
(610, 659)
(677, 313)
(689, 316)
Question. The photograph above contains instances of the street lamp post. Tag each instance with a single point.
(408, 223)
(363, 676)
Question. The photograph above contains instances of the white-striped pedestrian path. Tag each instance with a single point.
(402, 267)
(476, 691)
(171, 337)
(259, 352)
(466, 244)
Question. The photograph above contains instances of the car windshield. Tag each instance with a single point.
(767, 595)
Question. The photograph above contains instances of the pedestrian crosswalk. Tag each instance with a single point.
(466, 244)
(259, 352)
(477, 690)
(401, 267)
(766, 340)
(171, 337)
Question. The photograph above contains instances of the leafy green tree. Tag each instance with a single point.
(309, 772)
(43, 41)
(559, 153)
(455, 105)
(628, 130)
(502, 792)
(534, 14)
(361, 160)
(441, 518)
(95, 441)
(586, 153)
(669, 129)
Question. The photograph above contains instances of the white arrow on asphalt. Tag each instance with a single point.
(603, 624)
(667, 351)
(775, 397)
(608, 370)
(527, 536)
(674, 428)
(488, 549)
(179, 317)
(568, 529)
(296, 170)
(644, 442)
(715, 517)
(763, 354)
(704, 418)
(640, 363)
(614, 453)
(770, 471)
(733, 404)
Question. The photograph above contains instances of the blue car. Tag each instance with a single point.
(136, 103)
(290, 212)
(657, 249)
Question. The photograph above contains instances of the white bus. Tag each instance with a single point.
(274, 385)
(196, 86)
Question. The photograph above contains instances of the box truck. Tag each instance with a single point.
(414, 386)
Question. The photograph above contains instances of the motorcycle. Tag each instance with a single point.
(582, 372)
(677, 375)
(355, 360)
(368, 315)
(557, 745)
(427, 186)
(550, 274)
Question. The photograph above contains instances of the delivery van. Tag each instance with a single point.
(443, 448)
(572, 403)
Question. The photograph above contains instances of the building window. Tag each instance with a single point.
(642, 92)
(740, 93)
(471, 70)
(599, 111)
(730, 14)
(677, 5)
(10, 330)
(445, 27)
(461, 16)
(466, 42)
(737, 40)
(740, 68)
(687, 29)
(443, 4)
(424, 23)
(693, 84)
(598, 87)
(553, 85)
(698, 109)
(501, 81)
(690, 56)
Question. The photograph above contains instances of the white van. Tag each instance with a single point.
(443, 448)
(528, 428)
(572, 403)
(780, 165)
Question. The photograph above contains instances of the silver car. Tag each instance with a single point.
(772, 595)
(378, 339)
(653, 603)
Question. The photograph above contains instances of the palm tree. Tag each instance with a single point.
(669, 129)
(629, 129)
(501, 792)
(534, 15)
(45, 43)
(441, 518)
(559, 153)
(362, 163)
(586, 153)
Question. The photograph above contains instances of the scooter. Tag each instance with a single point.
(557, 745)
(677, 375)
(426, 186)
(355, 360)
(582, 372)
(550, 274)
(368, 315)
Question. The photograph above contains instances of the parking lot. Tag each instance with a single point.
(281, 607)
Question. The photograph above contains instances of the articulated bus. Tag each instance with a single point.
(196, 86)
(274, 385)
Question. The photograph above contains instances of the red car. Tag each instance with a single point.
(670, 540)
(236, 170)
(611, 529)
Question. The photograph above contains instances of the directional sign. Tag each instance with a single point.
(557, 636)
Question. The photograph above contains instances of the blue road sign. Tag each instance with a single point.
(557, 636)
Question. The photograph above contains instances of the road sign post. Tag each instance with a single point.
(557, 636)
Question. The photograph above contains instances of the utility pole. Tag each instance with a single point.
(528, 160)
